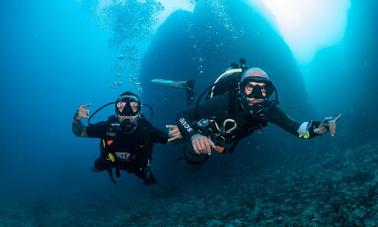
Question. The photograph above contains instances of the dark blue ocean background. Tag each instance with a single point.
(56, 55)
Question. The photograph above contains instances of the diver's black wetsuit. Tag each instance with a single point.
(131, 152)
(228, 106)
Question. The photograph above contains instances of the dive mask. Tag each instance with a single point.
(127, 106)
(256, 90)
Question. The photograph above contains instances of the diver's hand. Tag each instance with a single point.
(82, 112)
(328, 124)
(202, 144)
(173, 133)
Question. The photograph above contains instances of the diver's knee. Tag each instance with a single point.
(100, 165)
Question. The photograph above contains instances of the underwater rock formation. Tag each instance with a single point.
(347, 74)
(202, 44)
(338, 187)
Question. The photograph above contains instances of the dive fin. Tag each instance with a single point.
(170, 83)
(110, 172)
(188, 85)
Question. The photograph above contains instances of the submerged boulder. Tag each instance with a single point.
(202, 44)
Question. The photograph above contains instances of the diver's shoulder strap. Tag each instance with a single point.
(111, 128)
(232, 102)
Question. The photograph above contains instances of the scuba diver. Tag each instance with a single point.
(241, 101)
(126, 138)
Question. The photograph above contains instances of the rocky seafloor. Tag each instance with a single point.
(320, 189)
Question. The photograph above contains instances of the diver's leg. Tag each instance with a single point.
(100, 164)
(148, 178)
(144, 172)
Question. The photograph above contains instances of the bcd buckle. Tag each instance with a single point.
(110, 157)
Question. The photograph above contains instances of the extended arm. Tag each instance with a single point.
(158, 136)
(305, 130)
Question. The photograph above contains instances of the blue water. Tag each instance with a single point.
(56, 55)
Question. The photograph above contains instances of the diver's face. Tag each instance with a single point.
(124, 117)
(128, 124)
(249, 88)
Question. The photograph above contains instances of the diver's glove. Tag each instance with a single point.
(78, 127)
(312, 128)
(173, 133)
(328, 124)
(306, 129)
(82, 112)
